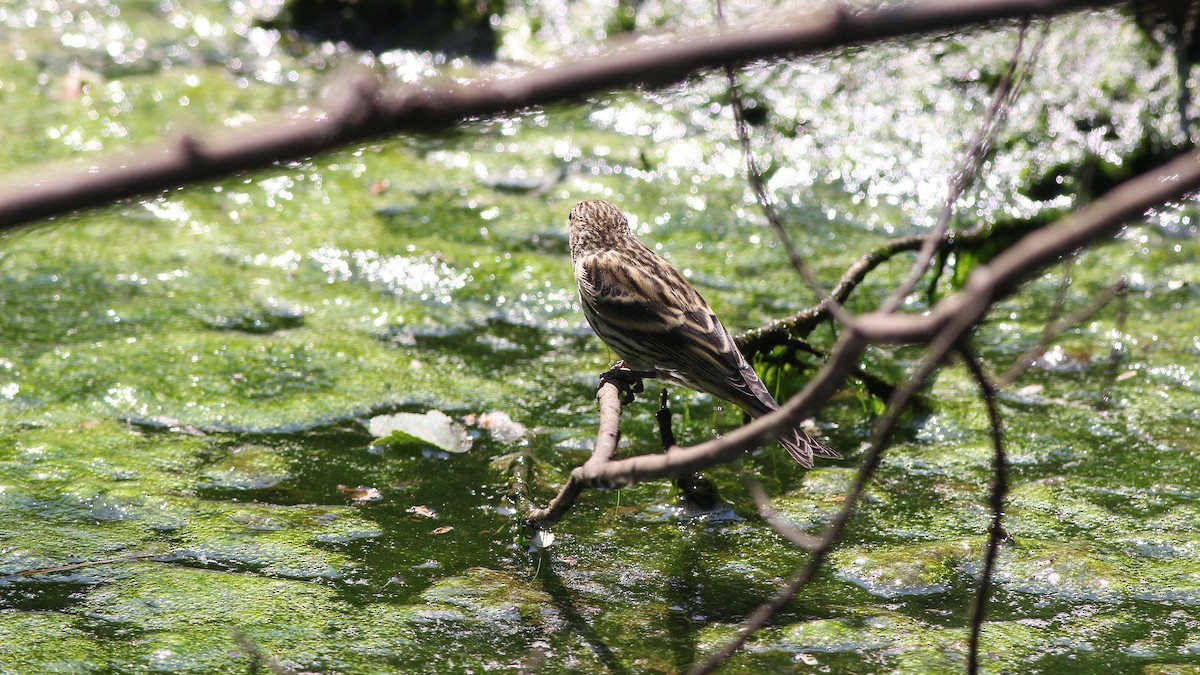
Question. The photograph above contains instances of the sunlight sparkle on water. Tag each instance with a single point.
(431, 279)
(172, 211)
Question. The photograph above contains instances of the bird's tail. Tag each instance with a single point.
(799, 445)
(803, 447)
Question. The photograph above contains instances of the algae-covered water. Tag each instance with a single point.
(187, 379)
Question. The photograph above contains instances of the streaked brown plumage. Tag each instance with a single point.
(654, 320)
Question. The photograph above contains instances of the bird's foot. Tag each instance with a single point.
(627, 381)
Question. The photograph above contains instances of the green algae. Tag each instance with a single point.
(186, 379)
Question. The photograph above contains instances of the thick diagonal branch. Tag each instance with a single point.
(363, 110)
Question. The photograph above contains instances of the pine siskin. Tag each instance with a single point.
(655, 321)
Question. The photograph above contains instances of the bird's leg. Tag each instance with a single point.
(698, 491)
(664, 422)
(627, 381)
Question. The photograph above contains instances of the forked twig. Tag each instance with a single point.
(607, 436)
(940, 347)
(765, 337)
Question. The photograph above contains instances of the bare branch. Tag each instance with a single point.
(995, 501)
(777, 332)
(364, 110)
(762, 502)
(965, 173)
(754, 176)
(1056, 328)
(762, 431)
(607, 437)
(940, 346)
(1043, 247)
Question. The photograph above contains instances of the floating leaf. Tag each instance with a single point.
(433, 428)
(423, 511)
(502, 427)
(360, 493)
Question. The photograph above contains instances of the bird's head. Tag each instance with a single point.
(597, 226)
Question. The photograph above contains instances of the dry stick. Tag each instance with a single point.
(772, 334)
(963, 176)
(1043, 247)
(950, 321)
(995, 501)
(754, 175)
(954, 317)
(777, 332)
(598, 471)
(941, 345)
(763, 431)
(81, 565)
(607, 437)
(1056, 328)
(364, 111)
(762, 502)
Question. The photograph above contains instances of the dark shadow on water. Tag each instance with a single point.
(452, 28)
(564, 602)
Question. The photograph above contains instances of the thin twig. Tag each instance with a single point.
(940, 346)
(81, 565)
(762, 502)
(762, 431)
(754, 176)
(995, 501)
(699, 493)
(900, 399)
(607, 437)
(1056, 328)
(1043, 247)
(963, 176)
(778, 332)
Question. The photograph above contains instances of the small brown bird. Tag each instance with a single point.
(655, 321)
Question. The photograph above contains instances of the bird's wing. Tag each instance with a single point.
(634, 302)
(658, 312)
